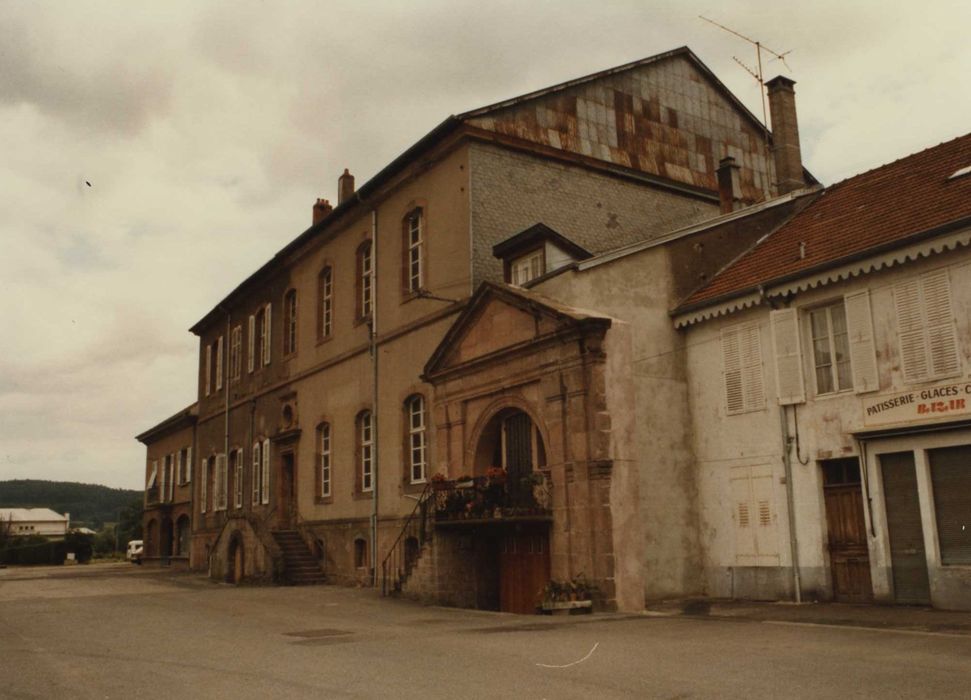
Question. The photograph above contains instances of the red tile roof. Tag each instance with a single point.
(879, 208)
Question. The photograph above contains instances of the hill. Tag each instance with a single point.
(91, 504)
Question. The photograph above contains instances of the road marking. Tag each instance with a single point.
(574, 663)
(890, 630)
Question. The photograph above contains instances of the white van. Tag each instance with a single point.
(134, 551)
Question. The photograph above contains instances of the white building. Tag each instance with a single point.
(35, 521)
(829, 372)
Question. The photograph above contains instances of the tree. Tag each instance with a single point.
(130, 522)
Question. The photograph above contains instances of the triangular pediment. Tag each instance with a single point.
(500, 318)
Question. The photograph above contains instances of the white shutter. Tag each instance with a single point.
(788, 357)
(256, 473)
(859, 325)
(251, 343)
(750, 346)
(941, 340)
(910, 327)
(204, 486)
(219, 363)
(266, 335)
(188, 465)
(732, 370)
(266, 473)
(208, 372)
(153, 475)
(221, 479)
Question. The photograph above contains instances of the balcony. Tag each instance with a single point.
(493, 498)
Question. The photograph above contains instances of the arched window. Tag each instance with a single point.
(413, 252)
(324, 465)
(365, 450)
(325, 316)
(365, 280)
(290, 322)
(417, 442)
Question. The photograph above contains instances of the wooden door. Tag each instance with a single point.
(908, 557)
(524, 569)
(287, 506)
(848, 553)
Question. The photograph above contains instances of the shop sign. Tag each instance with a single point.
(918, 405)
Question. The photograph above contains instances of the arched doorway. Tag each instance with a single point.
(182, 536)
(235, 559)
(165, 538)
(518, 552)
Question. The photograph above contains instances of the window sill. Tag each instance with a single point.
(324, 340)
(323, 500)
(364, 495)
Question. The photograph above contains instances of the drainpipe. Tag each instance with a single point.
(793, 541)
(374, 397)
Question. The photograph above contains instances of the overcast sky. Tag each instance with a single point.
(207, 130)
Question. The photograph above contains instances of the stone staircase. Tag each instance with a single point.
(301, 567)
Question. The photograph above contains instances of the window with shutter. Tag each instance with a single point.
(251, 343)
(325, 454)
(265, 481)
(859, 326)
(188, 464)
(152, 475)
(235, 353)
(219, 363)
(220, 496)
(203, 484)
(290, 322)
(257, 471)
(365, 447)
(326, 316)
(208, 371)
(925, 326)
(788, 357)
(742, 367)
(416, 438)
(267, 325)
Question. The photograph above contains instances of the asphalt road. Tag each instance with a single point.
(116, 631)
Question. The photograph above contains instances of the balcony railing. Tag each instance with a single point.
(493, 497)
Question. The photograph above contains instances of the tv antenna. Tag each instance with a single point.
(757, 71)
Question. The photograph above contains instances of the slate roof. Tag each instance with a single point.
(880, 209)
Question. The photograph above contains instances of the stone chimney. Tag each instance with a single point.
(785, 135)
(729, 184)
(321, 209)
(345, 187)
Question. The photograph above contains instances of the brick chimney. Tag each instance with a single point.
(729, 184)
(345, 187)
(321, 209)
(785, 135)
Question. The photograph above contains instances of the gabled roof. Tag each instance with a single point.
(538, 233)
(887, 207)
(31, 515)
(530, 302)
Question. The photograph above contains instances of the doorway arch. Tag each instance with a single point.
(235, 559)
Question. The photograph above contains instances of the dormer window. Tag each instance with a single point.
(527, 267)
(537, 251)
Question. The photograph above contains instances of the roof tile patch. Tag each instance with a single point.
(879, 207)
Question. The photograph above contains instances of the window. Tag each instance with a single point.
(831, 348)
(326, 317)
(365, 280)
(951, 482)
(259, 342)
(221, 479)
(417, 441)
(152, 476)
(257, 472)
(925, 325)
(290, 322)
(237, 478)
(235, 353)
(251, 343)
(207, 385)
(265, 326)
(325, 453)
(218, 369)
(742, 362)
(166, 488)
(365, 447)
(527, 267)
(414, 251)
(204, 485)
(265, 479)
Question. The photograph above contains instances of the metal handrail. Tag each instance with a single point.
(396, 565)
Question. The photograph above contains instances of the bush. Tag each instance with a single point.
(33, 549)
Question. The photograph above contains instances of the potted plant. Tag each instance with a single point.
(567, 597)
